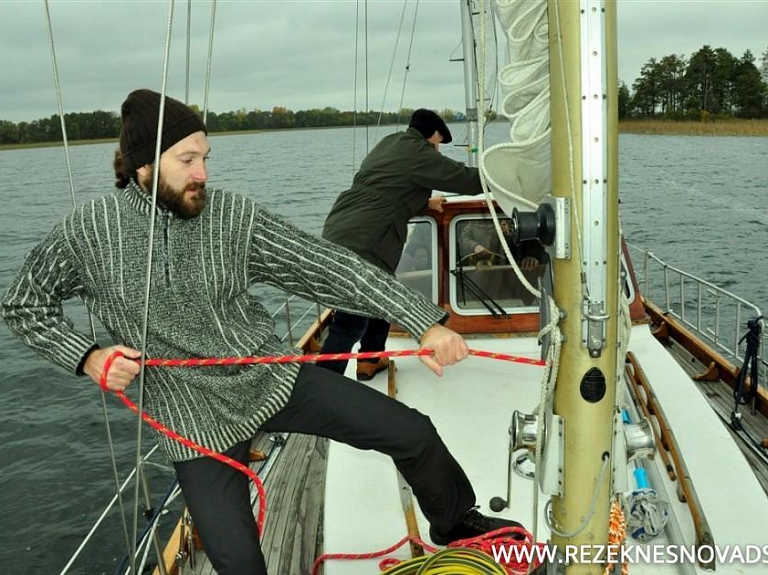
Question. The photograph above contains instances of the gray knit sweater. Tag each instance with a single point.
(199, 303)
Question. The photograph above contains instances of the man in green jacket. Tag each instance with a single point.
(394, 184)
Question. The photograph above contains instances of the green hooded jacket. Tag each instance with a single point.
(393, 185)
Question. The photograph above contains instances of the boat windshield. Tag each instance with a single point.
(482, 278)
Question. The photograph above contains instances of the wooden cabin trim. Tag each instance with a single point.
(636, 309)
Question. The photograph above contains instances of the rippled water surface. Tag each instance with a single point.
(699, 203)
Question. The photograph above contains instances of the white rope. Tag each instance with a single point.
(547, 388)
(592, 507)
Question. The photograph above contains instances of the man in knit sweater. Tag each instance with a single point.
(209, 247)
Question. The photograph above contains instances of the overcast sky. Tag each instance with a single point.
(300, 53)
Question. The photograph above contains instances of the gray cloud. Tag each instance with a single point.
(299, 54)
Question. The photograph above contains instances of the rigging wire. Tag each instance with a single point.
(97, 523)
(172, 492)
(209, 65)
(354, 90)
(391, 67)
(189, 38)
(367, 69)
(407, 63)
(108, 426)
(148, 282)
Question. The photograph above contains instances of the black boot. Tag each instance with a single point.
(472, 524)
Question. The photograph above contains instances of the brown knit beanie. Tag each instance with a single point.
(138, 133)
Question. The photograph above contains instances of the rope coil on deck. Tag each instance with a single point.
(473, 556)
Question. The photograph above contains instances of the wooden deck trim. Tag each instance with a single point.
(670, 327)
(170, 554)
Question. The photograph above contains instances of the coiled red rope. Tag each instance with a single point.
(249, 360)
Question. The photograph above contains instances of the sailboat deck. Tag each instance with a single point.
(471, 406)
(294, 485)
(325, 497)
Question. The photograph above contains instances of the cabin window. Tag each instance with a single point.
(482, 279)
(417, 267)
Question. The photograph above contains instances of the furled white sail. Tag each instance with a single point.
(518, 171)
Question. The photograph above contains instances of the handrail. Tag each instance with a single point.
(107, 509)
(714, 314)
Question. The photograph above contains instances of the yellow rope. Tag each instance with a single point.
(451, 561)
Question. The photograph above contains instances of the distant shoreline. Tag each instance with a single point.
(730, 127)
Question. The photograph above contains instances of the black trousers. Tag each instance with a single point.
(326, 404)
(346, 330)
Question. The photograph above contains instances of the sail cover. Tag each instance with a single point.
(518, 171)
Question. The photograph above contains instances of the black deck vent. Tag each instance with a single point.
(593, 385)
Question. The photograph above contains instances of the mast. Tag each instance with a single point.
(584, 111)
(470, 79)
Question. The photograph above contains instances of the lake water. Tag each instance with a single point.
(698, 203)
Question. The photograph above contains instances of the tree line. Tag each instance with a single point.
(106, 125)
(711, 84)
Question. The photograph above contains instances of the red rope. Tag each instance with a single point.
(504, 537)
(197, 362)
(247, 360)
(188, 442)
(373, 554)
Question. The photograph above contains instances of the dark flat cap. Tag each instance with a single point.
(428, 122)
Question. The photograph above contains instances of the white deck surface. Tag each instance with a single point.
(472, 405)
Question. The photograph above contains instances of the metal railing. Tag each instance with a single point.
(712, 313)
(289, 328)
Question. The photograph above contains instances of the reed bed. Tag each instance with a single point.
(729, 127)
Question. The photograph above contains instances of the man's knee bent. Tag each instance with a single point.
(421, 433)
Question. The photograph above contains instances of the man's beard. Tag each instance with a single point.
(185, 207)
